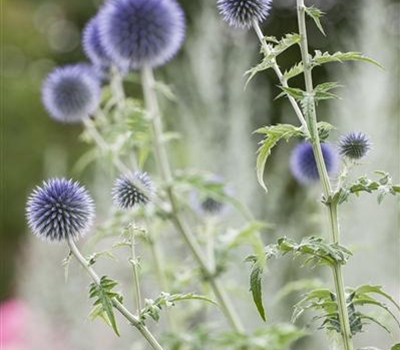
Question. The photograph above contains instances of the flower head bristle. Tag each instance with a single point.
(242, 13)
(138, 33)
(354, 145)
(132, 189)
(71, 93)
(304, 166)
(59, 210)
(92, 45)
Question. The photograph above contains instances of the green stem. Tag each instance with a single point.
(158, 262)
(279, 73)
(135, 271)
(181, 226)
(117, 305)
(326, 185)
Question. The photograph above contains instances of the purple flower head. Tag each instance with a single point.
(59, 210)
(303, 165)
(92, 45)
(354, 145)
(135, 33)
(132, 189)
(242, 13)
(209, 199)
(71, 93)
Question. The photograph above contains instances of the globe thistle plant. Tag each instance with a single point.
(303, 165)
(92, 45)
(71, 93)
(59, 210)
(354, 145)
(136, 33)
(132, 189)
(242, 13)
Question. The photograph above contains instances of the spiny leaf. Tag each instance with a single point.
(272, 135)
(103, 303)
(315, 14)
(296, 93)
(326, 57)
(265, 64)
(294, 71)
(282, 45)
(322, 91)
(153, 307)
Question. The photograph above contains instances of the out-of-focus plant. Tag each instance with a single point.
(313, 160)
(125, 41)
(128, 135)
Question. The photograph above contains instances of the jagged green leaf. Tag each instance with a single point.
(325, 57)
(296, 93)
(282, 45)
(316, 14)
(294, 71)
(153, 307)
(322, 91)
(103, 294)
(272, 135)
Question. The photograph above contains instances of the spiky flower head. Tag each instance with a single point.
(304, 166)
(92, 45)
(71, 93)
(136, 33)
(130, 190)
(354, 145)
(242, 13)
(60, 209)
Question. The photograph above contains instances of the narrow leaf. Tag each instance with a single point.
(256, 288)
(316, 14)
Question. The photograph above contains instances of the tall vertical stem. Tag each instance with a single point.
(323, 174)
(135, 272)
(181, 226)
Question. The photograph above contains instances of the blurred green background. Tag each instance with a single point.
(39, 35)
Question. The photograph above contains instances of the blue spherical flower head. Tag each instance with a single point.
(303, 165)
(59, 210)
(71, 93)
(136, 33)
(354, 145)
(92, 45)
(242, 13)
(130, 190)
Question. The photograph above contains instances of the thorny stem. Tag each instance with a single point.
(135, 271)
(326, 185)
(278, 72)
(117, 305)
(165, 170)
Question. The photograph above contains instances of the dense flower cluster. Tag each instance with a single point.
(242, 13)
(304, 166)
(132, 189)
(354, 145)
(71, 93)
(59, 210)
(135, 33)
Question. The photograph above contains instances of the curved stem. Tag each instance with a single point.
(326, 185)
(117, 305)
(181, 226)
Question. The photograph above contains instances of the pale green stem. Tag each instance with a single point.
(326, 185)
(210, 242)
(135, 271)
(279, 73)
(157, 257)
(117, 305)
(181, 226)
